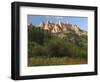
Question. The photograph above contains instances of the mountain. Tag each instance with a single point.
(60, 27)
(57, 37)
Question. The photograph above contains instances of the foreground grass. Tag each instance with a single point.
(44, 61)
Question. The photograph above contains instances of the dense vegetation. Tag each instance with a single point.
(43, 45)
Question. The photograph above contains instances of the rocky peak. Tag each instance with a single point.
(48, 22)
(60, 24)
(41, 25)
(75, 28)
(56, 28)
(59, 27)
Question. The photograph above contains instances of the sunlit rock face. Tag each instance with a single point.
(59, 27)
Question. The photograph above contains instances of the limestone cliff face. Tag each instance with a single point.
(56, 28)
(59, 27)
(76, 28)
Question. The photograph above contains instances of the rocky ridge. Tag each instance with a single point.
(59, 27)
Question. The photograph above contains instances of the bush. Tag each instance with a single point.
(35, 49)
(40, 51)
(57, 47)
(31, 46)
(79, 52)
(83, 54)
(36, 35)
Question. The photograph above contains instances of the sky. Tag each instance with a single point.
(81, 22)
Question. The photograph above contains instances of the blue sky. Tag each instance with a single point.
(82, 22)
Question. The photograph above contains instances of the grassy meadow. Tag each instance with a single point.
(45, 61)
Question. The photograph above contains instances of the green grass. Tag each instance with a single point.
(45, 61)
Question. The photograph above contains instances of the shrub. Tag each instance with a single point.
(36, 35)
(31, 46)
(38, 50)
(83, 54)
(79, 52)
(57, 47)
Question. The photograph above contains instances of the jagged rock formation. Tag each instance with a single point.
(59, 27)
